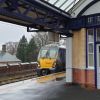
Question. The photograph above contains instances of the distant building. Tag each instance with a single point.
(11, 47)
(7, 57)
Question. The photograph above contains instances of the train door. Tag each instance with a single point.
(62, 55)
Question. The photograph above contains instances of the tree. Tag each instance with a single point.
(41, 39)
(32, 50)
(11, 47)
(22, 48)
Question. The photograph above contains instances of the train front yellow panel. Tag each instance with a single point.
(46, 63)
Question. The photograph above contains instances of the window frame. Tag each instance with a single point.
(89, 53)
(96, 35)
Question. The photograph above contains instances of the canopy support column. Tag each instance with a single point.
(69, 60)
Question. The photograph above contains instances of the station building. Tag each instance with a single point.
(83, 48)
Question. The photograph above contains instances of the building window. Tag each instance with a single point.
(98, 19)
(98, 34)
(90, 47)
(90, 20)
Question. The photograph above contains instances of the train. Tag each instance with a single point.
(51, 58)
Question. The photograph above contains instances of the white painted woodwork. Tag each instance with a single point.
(69, 59)
(93, 9)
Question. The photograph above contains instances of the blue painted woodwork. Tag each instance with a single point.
(85, 22)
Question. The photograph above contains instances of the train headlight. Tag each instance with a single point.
(38, 64)
(54, 65)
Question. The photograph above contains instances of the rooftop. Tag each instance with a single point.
(6, 57)
(64, 5)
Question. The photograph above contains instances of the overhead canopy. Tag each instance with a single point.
(44, 15)
(64, 5)
(37, 14)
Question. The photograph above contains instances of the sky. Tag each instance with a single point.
(11, 32)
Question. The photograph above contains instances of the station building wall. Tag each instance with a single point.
(81, 74)
(85, 44)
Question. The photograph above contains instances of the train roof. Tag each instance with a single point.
(62, 46)
(55, 45)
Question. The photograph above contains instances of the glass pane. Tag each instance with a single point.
(98, 19)
(98, 34)
(52, 1)
(63, 4)
(43, 52)
(53, 53)
(90, 35)
(90, 20)
(91, 60)
(91, 48)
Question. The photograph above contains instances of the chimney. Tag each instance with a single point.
(4, 48)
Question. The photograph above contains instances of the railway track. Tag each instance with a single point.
(15, 72)
(50, 77)
(13, 79)
(22, 71)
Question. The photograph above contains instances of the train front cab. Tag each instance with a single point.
(53, 61)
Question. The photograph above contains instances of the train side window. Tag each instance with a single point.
(53, 52)
(62, 54)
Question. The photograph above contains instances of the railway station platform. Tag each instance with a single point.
(43, 89)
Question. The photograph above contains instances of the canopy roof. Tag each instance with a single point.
(64, 5)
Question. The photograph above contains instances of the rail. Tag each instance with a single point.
(10, 73)
(16, 72)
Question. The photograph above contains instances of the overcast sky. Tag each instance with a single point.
(12, 32)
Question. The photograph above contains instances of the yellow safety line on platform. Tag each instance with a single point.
(50, 77)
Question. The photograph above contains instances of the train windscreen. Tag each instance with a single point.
(53, 51)
(50, 52)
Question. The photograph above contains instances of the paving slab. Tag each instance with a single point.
(52, 90)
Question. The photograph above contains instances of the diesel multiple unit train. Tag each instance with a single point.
(51, 58)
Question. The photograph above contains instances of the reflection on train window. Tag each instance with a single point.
(53, 52)
(49, 53)
(43, 52)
